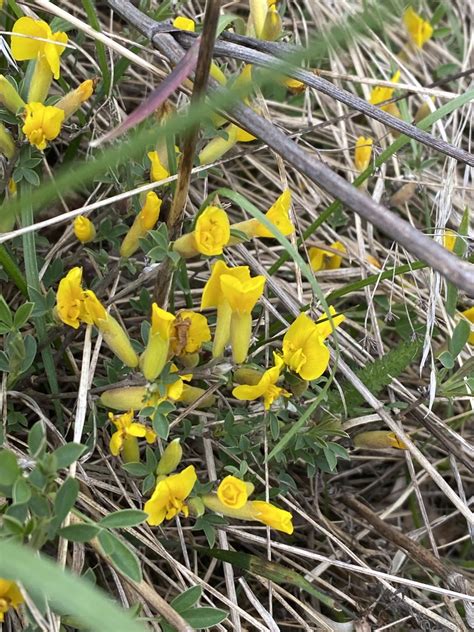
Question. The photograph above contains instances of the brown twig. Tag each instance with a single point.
(460, 273)
(175, 218)
(449, 574)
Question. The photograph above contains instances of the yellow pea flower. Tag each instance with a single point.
(10, 597)
(233, 492)
(69, 298)
(258, 510)
(7, 146)
(170, 459)
(84, 229)
(210, 235)
(138, 397)
(321, 259)
(125, 438)
(234, 293)
(33, 39)
(449, 239)
(419, 30)
(278, 214)
(169, 496)
(304, 351)
(272, 516)
(9, 97)
(363, 153)
(378, 440)
(190, 332)
(266, 387)
(219, 146)
(143, 222)
(379, 94)
(158, 171)
(115, 337)
(272, 25)
(73, 100)
(469, 314)
(42, 123)
(294, 85)
(155, 355)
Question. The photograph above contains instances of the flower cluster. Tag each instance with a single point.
(33, 40)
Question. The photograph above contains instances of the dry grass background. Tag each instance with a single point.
(333, 547)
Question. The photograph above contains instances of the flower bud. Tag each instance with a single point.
(171, 458)
(363, 153)
(378, 440)
(9, 97)
(84, 229)
(7, 146)
(73, 100)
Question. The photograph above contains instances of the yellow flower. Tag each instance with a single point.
(69, 298)
(157, 170)
(449, 239)
(155, 355)
(169, 496)
(258, 510)
(379, 94)
(171, 458)
(266, 386)
(378, 440)
(419, 30)
(363, 153)
(10, 597)
(84, 229)
(42, 123)
(184, 24)
(278, 214)
(322, 259)
(40, 41)
(272, 516)
(469, 314)
(234, 293)
(233, 493)
(304, 351)
(294, 85)
(125, 438)
(258, 14)
(212, 231)
(143, 222)
(115, 337)
(73, 100)
(9, 97)
(190, 332)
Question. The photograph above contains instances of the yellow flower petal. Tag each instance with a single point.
(212, 293)
(24, 48)
(184, 24)
(190, 332)
(272, 516)
(242, 296)
(42, 123)
(84, 229)
(69, 298)
(212, 231)
(157, 170)
(232, 492)
(279, 215)
(419, 30)
(363, 153)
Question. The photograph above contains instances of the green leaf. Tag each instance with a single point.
(187, 599)
(123, 558)
(69, 453)
(124, 518)
(21, 491)
(64, 591)
(446, 360)
(6, 315)
(65, 498)
(136, 469)
(161, 425)
(200, 618)
(461, 333)
(79, 532)
(36, 439)
(9, 469)
(22, 314)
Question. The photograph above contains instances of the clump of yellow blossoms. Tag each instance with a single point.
(124, 440)
(419, 30)
(304, 351)
(10, 597)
